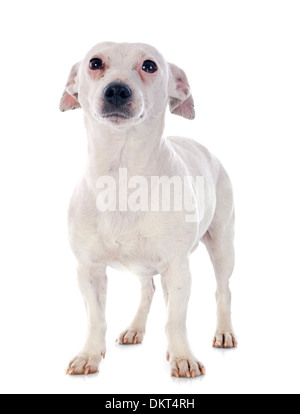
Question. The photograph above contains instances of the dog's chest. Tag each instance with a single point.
(130, 242)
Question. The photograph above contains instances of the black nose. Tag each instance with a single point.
(117, 94)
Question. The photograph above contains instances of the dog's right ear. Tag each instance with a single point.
(69, 99)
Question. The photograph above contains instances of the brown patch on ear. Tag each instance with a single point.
(69, 99)
(185, 108)
(68, 102)
(180, 99)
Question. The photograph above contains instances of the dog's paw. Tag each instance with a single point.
(186, 367)
(84, 364)
(226, 340)
(131, 337)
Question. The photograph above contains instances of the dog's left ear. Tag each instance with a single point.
(69, 99)
(180, 98)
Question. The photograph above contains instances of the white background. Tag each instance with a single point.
(243, 63)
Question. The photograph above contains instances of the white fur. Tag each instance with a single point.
(147, 243)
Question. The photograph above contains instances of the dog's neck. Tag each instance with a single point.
(138, 148)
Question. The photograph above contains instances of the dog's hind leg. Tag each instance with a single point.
(219, 241)
(134, 334)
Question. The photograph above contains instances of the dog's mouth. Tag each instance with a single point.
(115, 116)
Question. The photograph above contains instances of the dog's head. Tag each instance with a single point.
(124, 84)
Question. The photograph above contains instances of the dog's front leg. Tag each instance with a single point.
(93, 285)
(176, 283)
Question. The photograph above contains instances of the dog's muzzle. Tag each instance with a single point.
(117, 94)
(117, 101)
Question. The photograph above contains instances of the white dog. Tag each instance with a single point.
(124, 90)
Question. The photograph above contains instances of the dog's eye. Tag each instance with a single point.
(96, 64)
(149, 66)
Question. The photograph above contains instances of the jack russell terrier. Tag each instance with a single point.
(124, 90)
